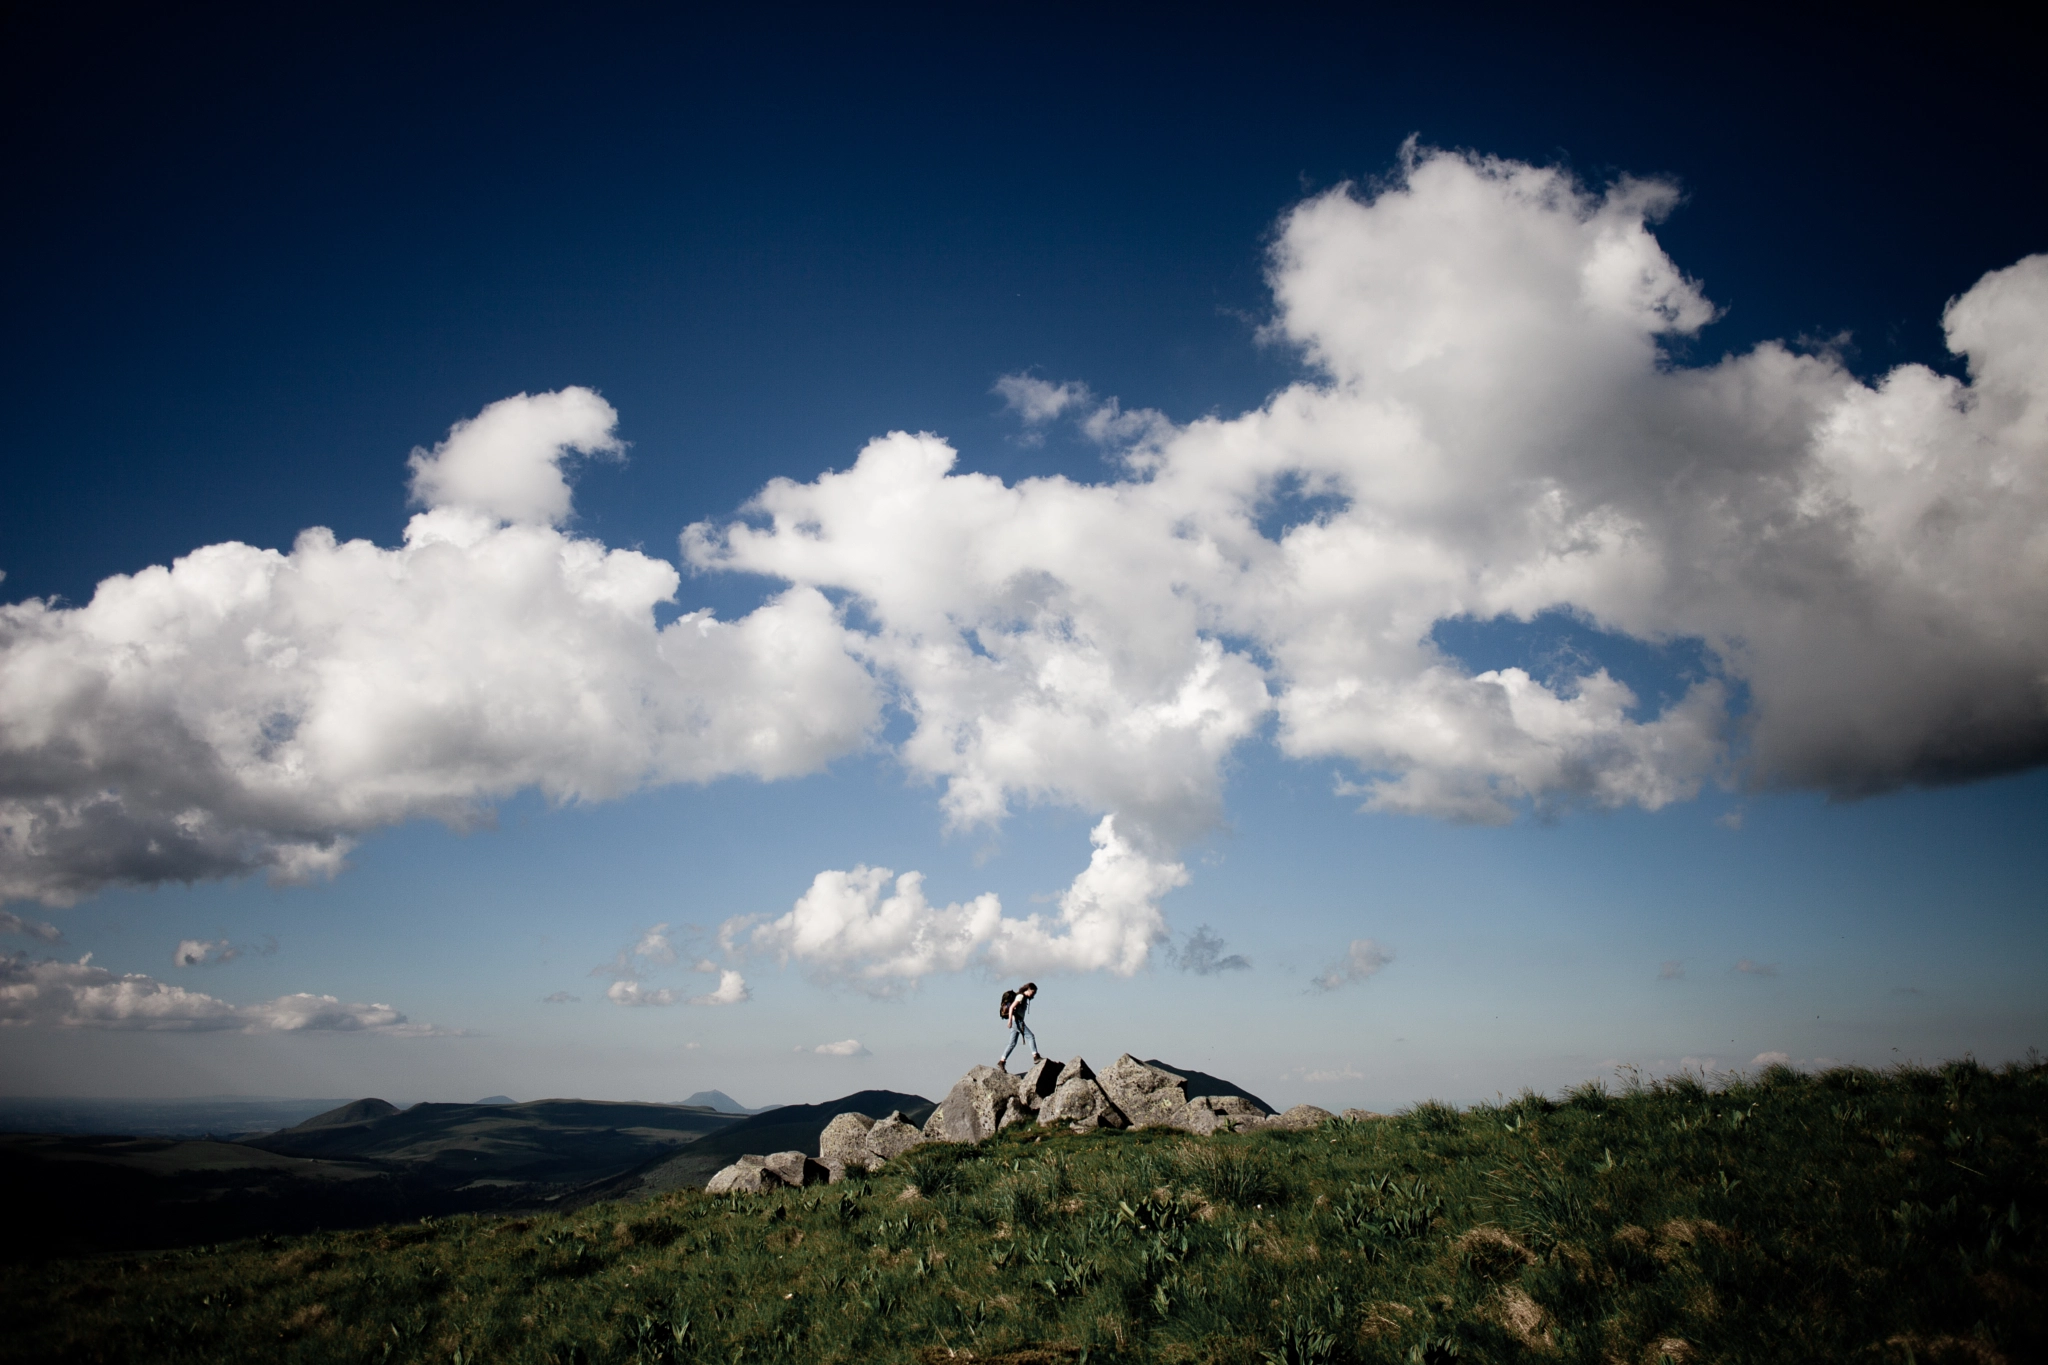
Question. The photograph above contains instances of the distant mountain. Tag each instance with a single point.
(355, 1111)
(722, 1103)
(497, 1099)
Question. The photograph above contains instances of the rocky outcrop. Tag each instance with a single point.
(748, 1175)
(1361, 1115)
(1036, 1085)
(1218, 1114)
(1301, 1116)
(973, 1110)
(796, 1170)
(1082, 1104)
(1149, 1096)
(844, 1144)
(893, 1136)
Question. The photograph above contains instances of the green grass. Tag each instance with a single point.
(1848, 1216)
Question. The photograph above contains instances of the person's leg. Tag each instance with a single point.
(1017, 1032)
(1024, 1031)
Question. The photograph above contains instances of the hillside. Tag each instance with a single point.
(785, 1128)
(1850, 1216)
(358, 1164)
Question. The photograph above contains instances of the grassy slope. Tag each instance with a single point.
(1849, 1216)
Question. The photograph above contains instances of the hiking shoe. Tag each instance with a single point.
(1036, 1058)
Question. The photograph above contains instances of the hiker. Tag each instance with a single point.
(1014, 1005)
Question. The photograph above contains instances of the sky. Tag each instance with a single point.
(1389, 559)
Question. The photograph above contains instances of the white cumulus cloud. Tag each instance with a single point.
(53, 993)
(732, 989)
(637, 993)
(1494, 429)
(850, 928)
(248, 709)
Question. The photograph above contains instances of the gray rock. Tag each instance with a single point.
(796, 1169)
(973, 1108)
(1361, 1115)
(1208, 1114)
(1149, 1096)
(1014, 1112)
(748, 1175)
(1039, 1082)
(1300, 1116)
(845, 1141)
(1081, 1103)
(892, 1137)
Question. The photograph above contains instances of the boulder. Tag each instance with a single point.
(1149, 1096)
(892, 1137)
(796, 1169)
(973, 1108)
(1081, 1103)
(748, 1175)
(1208, 1114)
(1038, 1083)
(1300, 1116)
(1014, 1112)
(1361, 1115)
(845, 1143)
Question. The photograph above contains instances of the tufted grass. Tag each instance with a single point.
(1846, 1216)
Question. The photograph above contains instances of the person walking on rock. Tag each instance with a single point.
(1015, 1003)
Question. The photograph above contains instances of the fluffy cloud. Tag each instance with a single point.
(561, 998)
(732, 989)
(248, 709)
(849, 928)
(1671, 969)
(1494, 429)
(1763, 1059)
(637, 993)
(1751, 968)
(1362, 959)
(54, 993)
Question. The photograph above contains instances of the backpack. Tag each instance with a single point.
(1004, 1011)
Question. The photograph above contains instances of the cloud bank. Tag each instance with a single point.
(54, 993)
(1495, 428)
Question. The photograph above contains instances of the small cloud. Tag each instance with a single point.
(1763, 1059)
(1037, 402)
(691, 1047)
(633, 993)
(848, 1047)
(1362, 959)
(1749, 968)
(561, 998)
(11, 923)
(1670, 969)
(631, 963)
(1730, 820)
(1203, 955)
(193, 952)
(732, 990)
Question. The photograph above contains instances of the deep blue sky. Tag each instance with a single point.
(259, 257)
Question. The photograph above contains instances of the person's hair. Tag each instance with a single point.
(1027, 986)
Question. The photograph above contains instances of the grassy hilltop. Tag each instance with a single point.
(1848, 1216)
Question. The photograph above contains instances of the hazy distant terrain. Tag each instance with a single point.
(360, 1163)
(215, 1117)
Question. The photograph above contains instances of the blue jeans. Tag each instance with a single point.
(1019, 1031)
